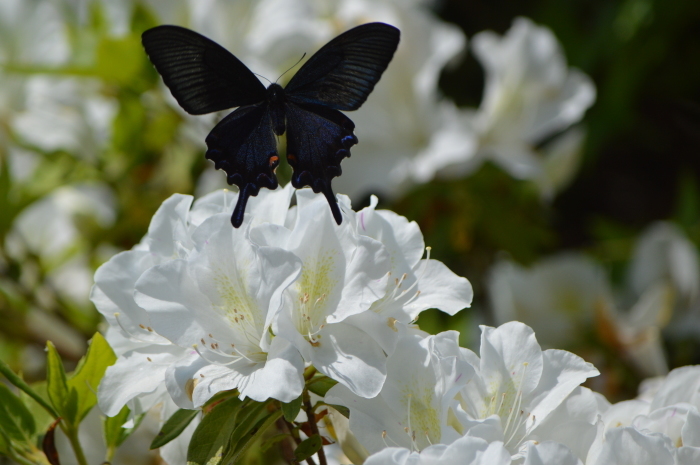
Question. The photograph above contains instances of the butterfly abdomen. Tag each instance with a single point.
(275, 100)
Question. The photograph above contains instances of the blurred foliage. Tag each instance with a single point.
(640, 161)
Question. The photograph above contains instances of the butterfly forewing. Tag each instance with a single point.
(203, 76)
(318, 138)
(244, 146)
(343, 73)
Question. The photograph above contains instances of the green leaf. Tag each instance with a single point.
(15, 419)
(210, 439)
(320, 385)
(120, 60)
(4, 443)
(114, 432)
(308, 447)
(291, 410)
(172, 428)
(343, 410)
(60, 396)
(252, 437)
(90, 371)
(270, 442)
(248, 417)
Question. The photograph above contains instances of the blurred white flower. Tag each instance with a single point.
(48, 226)
(530, 94)
(567, 297)
(664, 253)
(558, 296)
(65, 114)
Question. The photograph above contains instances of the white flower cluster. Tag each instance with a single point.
(199, 307)
(518, 405)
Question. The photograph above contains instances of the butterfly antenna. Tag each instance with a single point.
(291, 67)
(260, 75)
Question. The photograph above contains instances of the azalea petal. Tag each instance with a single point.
(624, 446)
(440, 288)
(562, 373)
(511, 359)
(351, 357)
(135, 373)
(550, 453)
(168, 229)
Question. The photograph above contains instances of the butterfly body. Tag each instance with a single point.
(204, 77)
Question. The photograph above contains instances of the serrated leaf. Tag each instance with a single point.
(15, 419)
(308, 447)
(320, 385)
(88, 374)
(172, 428)
(291, 410)
(210, 439)
(57, 384)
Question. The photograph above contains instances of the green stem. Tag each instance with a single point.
(312, 424)
(19, 382)
(72, 434)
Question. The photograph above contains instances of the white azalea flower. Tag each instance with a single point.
(664, 253)
(221, 301)
(414, 285)
(464, 451)
(138, 377)
(518, 383)
(343, 273)
(664, 256)
(530, 94)
(628, 446)
(415, 406)
(557, 297)
(65, 114)
(667, 424)
(567, 295)
(550, 453)
(49, 228)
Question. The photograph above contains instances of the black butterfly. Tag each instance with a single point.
(204, 77)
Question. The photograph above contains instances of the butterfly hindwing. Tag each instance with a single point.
(202, 75)
(244, 146)
(344, 71)
(318, 138)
